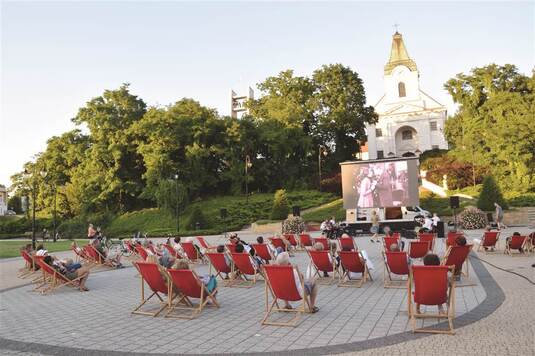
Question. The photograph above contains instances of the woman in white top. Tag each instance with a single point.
(311, 288)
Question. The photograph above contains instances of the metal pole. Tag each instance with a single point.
(33, 214)
(246, 181)
(177, 206)
(55, 204)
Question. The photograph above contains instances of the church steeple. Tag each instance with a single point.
(399, 55)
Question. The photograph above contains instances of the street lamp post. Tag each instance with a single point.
(321, 150)
(55, 207)
(177, 205)
(33, 188)
(248, 165)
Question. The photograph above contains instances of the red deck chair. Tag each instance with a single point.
(418, 249)
(305, 240)
(281, 285)
(389, 241)
(80, 254)
(96, 257)
(29, 265)
(352, 262)
(291, 239)
(430, 285)
(489, 241)
(347, 243)
(190, 286)
(231, 248)
(451, 237)
(191, 252)
(396, 263)
(151, 275)
(277, 242)
(262, 251)
(219, 264)
(429, 237)
(203, 243)
(153, 250)
(142, 252)
(172, 251)
(53, 279)
(457, 256)
(323, 241)
(516, 243)
(242, 263)
(323, 262)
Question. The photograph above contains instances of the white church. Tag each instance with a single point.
(410, 121)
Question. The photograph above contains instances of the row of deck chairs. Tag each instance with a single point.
(521, 244)
(45, 278)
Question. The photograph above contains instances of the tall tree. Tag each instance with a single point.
(494, 123)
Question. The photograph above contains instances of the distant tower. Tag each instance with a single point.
(237, 103)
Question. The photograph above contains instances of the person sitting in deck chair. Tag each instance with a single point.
(70, 270)
(40, 250)
(209, 281)
(508, 240)
(254, 259)
(431, 260)
(311, 287)
(228, 260)
(114, 258)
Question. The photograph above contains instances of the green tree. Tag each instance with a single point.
(490, 194)
(494, 124)
(14, 203)
(280, 208)
(197, 217)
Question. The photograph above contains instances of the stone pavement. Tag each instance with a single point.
(368, 318)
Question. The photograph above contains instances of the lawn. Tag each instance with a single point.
(12, 248)
(334, 208)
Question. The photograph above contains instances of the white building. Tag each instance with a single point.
(410, 121)
(3, 200)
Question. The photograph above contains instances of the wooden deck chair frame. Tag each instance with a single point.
(345, 280)
(273, 306)
(239, 278)
(29, 265)
(388, 281)
(226, 282)
(450, 311)
(164, 302)
(188, 305)
(321, 279)
(524, 246)
(56, 279)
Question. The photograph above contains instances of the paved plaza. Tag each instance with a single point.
(371, 319)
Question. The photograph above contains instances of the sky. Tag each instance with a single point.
(55, 56)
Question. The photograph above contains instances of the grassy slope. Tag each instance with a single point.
(12, 248)
(334, 208)
(240, 213)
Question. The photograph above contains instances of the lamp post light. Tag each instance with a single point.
(248, 165)
(321, 151)
(33, 189)
(177, 205)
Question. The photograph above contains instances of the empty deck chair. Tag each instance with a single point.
(429, 237)
(218, 263)
(190, 286)
(431, 286)
(516, 243)
(262, 251)
(243, 266)
(281, 284)
(150, 274)
(489, 241)
(352, 262)
(418, 249)
(305, 240)
(396, 263)
(322, 261)
(347, 243)
(203, 243)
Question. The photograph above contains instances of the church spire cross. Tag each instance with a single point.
(396, 25)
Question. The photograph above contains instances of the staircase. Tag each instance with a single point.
(432, 187)
(531, 216)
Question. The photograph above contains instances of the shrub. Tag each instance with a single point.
(293, 225)
(526, 199)
(437, 163)
(280, 208)
(490, 194)
(332, 184)
(197, 216)
(472, 218)
(73, 228)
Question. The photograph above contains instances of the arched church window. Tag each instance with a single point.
(401, 89)
(406, 135)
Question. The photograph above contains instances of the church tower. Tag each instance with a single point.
(410, 121)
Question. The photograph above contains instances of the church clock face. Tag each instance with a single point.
(400, 71)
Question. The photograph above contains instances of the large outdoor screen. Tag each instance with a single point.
(380, 183)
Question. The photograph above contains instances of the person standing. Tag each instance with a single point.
(499, 216)
(435, 219)
(375, 227)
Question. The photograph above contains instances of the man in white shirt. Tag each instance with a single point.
(428, 224)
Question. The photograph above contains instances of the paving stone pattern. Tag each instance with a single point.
(100, 320)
